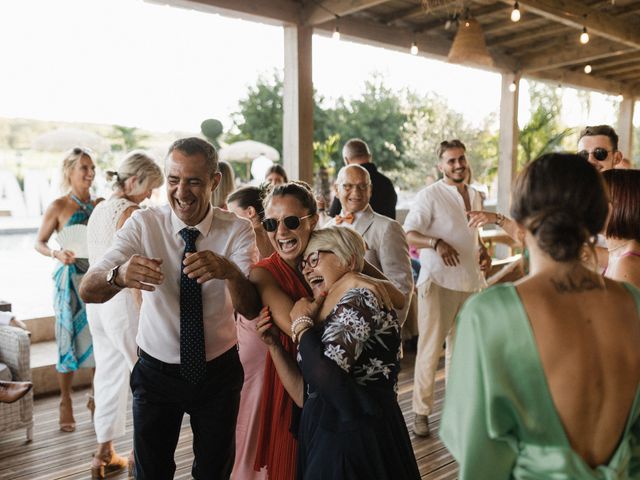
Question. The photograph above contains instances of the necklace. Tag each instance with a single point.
(611, 250)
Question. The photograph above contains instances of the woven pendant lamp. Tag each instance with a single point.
(469, 46)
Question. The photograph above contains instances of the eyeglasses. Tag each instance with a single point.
(360, 186)
(312, 260)
(600, 154)
(292, 222)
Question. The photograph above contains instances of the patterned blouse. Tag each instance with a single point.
(363, 339)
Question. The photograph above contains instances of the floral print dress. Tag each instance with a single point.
(352, 426)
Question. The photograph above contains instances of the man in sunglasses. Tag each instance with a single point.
(190, 260)
(451, 259)
(387, 248)
(383, 195)
(599, 146)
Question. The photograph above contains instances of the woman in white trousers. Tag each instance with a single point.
(114, 324)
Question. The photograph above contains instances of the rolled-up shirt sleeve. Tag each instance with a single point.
(420, 216)
(245, 251)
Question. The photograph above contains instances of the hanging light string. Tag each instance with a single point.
(515, 13)
(336, 31)
(584, 35)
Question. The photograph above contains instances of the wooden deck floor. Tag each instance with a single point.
(56, 455)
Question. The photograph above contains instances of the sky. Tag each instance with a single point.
(161, 68)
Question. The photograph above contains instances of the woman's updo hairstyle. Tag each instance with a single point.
(298, 189)
(561, 199)
(250, 196)
(140, 164)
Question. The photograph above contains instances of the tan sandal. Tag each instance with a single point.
(66, 424)
(103, 466)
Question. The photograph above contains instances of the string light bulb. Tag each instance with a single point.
(584, 36)
(336, 33)
(515, 13)
(414, 48)
(620, 97)
(587, 69)
(513, 87)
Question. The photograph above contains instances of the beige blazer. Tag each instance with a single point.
(387, 250)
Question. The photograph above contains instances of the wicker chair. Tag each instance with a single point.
(14, 352)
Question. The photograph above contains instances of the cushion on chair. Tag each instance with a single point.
(5, 373)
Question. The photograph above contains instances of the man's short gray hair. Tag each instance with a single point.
(344, 242)
(343, 172)
(197, 146)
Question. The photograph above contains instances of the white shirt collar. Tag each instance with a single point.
(203, 227)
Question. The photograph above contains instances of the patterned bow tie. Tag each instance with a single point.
(348, 218)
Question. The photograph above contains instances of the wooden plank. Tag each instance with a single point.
(275, 12)
(56, 455)
(321, 11)
(577, 14)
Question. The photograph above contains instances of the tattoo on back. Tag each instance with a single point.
(571, 285)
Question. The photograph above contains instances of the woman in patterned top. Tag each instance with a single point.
(351, 426)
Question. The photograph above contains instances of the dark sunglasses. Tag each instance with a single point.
(600, 154)
(312, 260)
(292, 222)
(83, 151)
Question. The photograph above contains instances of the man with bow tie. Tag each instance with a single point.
(387, 248)
(383, 196)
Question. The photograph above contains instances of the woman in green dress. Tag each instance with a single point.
(545, 373)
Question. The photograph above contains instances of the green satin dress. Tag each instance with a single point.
(499, 420)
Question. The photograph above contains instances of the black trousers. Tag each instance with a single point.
(161, 398)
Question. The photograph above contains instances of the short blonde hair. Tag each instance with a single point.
(142, 165)
(344, 242)
(71, 158)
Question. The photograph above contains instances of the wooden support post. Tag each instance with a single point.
(625, 126)
(508, 145)
(298, 103)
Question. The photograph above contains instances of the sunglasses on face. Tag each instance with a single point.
(312, 260)
(292, 222)
(600, 154)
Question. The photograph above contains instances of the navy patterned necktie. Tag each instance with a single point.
(193, 360)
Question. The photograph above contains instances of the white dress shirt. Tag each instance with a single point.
(438, 211)
(153, 233)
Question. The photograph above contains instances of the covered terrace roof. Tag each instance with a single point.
(543, 45)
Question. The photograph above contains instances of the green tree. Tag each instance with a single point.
(543, 132)
(127, 138)
(378, 117)
(430, 121)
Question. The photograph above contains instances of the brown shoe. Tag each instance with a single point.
(421, 425)
(13, 391)
(102, 466)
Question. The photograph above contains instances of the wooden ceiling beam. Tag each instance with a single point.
(526, 36)
(275, 12)
(588, 82)
(619, 70)
(577, 14)
(396, 38)
(416, 11)
(320, 11)
(556, 57)
(619, 60)
(473, 13)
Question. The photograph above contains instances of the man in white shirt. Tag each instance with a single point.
(451, 259)
(190, 260)
(387, 248)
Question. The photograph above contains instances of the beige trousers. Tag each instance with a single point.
(437, 310)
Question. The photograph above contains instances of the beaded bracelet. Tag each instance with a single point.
(304, 320)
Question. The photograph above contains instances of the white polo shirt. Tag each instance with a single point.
(153, 233)
(438, 211)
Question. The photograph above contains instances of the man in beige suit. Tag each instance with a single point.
(387, 248)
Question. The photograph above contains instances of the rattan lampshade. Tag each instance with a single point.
(469, 46)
